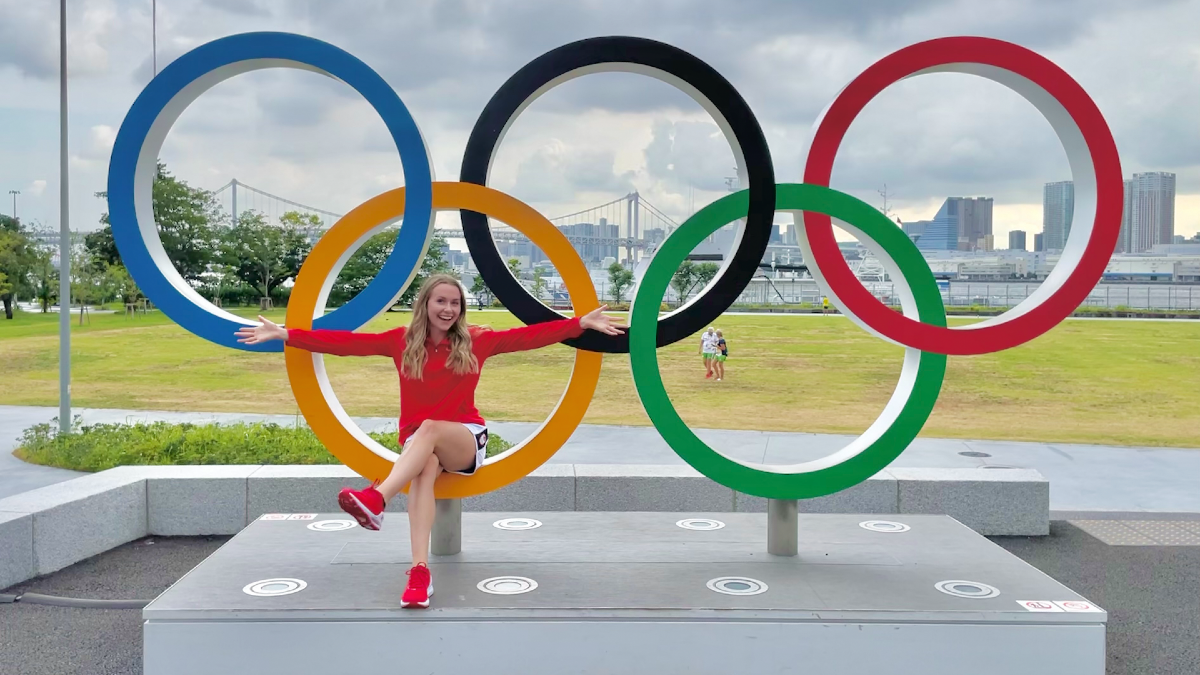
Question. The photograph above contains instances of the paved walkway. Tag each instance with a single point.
(1082, 477)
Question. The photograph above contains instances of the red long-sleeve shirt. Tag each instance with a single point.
(440, 394)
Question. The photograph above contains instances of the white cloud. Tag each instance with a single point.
(313, 140)
(36, 188)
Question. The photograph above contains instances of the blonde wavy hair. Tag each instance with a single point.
(461, 360)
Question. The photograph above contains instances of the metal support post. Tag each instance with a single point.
(64, 234)
(783, 529)
(447, 527)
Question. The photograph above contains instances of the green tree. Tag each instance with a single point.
(433, 263)
(188, 219)
(619, 280)
(706, 272)
(86, 281)
(514, 266)
(366, 262)
(483, 294)
(539, 283)
(263, 255)
(100, 245)
(362, 267)
(690, 275)
(121, 284)
(18, 257)
(45, 278)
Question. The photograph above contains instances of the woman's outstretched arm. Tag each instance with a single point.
(544, 334)
(336, 342)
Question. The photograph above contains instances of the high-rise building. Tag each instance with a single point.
(915, 229)
(975, 224)
(1039, 242)
(962, 224)
(1126, 216)
(1149, 215)
(1016, 240)
(1058, 206)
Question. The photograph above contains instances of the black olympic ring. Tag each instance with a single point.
(676, 67)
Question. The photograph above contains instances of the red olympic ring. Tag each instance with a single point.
(1090, 150)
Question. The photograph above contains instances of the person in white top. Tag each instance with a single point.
(708, 350)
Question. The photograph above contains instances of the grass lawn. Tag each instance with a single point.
(1097, 381)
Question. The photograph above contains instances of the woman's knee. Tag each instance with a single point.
(432, 467)
(430, 428)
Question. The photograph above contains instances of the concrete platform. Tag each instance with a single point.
(628, 593)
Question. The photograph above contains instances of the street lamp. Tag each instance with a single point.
(14, 193)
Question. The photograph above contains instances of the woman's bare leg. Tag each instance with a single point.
(452, 442)
(421, 509)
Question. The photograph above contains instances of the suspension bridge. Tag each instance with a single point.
(630, 224)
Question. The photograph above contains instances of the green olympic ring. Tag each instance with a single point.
(906, 411)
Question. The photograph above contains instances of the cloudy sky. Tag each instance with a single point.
(595, 138)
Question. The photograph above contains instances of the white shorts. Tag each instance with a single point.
(481, 439)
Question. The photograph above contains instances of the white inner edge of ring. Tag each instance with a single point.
(904, 387)
(147, 168)
(319, 361)
(1083, 173)
(702, 100)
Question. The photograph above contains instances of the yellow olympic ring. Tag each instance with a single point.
(306, 370)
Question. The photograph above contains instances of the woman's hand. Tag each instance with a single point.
(597, 321)
(264, 332)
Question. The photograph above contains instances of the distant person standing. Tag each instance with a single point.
(824, 304)
(720, 356)
(708, 350)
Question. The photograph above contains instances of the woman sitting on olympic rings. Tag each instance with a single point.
(439, 358)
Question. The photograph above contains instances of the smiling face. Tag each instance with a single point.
(444, 306)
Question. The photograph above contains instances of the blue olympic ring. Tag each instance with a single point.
(135, 156)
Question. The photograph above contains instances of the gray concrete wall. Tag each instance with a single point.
(49, 528)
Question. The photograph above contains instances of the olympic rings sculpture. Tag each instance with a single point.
(920, 327)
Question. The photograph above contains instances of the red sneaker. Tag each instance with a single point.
(365, 505)
(420, 587)
(707, 376)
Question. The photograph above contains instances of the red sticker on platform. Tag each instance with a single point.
(1040, 606)
(274, 516)
(1077, 606)
(302, 516)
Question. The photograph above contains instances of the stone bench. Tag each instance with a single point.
(47, 529)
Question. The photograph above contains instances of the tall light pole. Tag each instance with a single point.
(14, 193)
(64, 234)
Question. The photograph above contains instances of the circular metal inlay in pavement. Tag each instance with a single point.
(884, 526)
(967, 589)
(702, 524)
(331, 525)
(974, 453)
(517, 524)
(737, 586)
(507, 585)
(271, 587)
